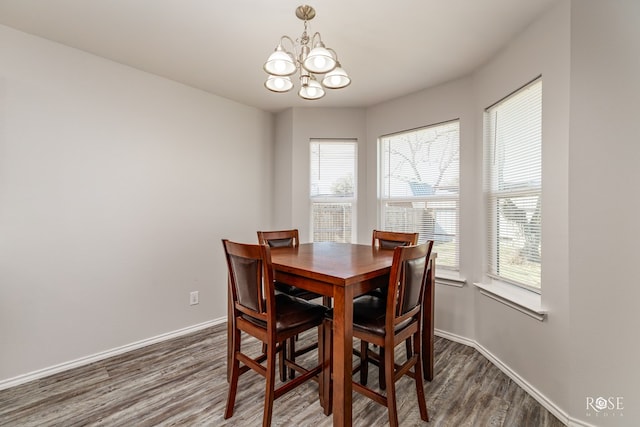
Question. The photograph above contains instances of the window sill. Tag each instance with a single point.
(449, 278)
(524, 301)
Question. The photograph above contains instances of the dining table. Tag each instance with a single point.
(343, 271)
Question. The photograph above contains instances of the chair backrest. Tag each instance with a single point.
(407, 282)
(250, 278)
(393, 239)
(279, 239)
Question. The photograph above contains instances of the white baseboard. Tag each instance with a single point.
(455, 338)
(578, 423)
(531, 390)
(41, 373)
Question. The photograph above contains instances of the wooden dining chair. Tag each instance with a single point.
(389, 323)
(392, 239)
(266, 315)
(285, 239)
(389, 240)
(290, 239)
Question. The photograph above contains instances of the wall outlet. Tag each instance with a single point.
(194, 298)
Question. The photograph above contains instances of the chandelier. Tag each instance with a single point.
(308, 62)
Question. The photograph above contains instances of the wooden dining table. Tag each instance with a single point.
(343, 271)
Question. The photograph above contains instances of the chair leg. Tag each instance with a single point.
(281, 365)
(381, 370)
(364, 362)
(269, 395)
(235, 373)
(292, 355)
(389, 372)
(422, 403)
(407, 346)
(321, 351)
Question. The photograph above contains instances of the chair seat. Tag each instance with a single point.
(296, 292)
(369, 313)
(292, 312)
(379, 293)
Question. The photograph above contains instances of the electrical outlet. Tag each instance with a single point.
(194, 298)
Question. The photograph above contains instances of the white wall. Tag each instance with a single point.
(283, 172)
(604, 159)
(454, 309)
(116, 187)
(302, 125)
(536, 351)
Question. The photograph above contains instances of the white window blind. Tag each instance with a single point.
(513, 142)
(419, 186)
(333, 190)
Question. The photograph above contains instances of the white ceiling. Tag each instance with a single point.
(389, 48)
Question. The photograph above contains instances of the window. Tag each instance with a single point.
(333, 190)
(513, 144)
(420, 174)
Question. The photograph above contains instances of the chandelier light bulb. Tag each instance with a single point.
(280, 63)
(279, 83)
(336, 78)
(280, 66)
(311, 90)
(320, 60)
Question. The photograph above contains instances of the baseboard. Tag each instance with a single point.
(578, 423)
(531, 390)
(455, 338)
(21, 379)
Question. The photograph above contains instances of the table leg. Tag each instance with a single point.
(342, 355)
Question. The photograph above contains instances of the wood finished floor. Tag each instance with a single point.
(182, 382)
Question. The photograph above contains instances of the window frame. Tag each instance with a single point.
(494, 194)
(353, 200)
(384, 196)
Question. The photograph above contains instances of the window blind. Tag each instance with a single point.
(419, 186)
(513, 143)
(333, 190)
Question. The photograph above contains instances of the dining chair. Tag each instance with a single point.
(268, 316)
(285, 239)
(389, 240)
(392, 239)
(388, 323)
(290, 239)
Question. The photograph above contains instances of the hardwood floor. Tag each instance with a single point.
(183, 382)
